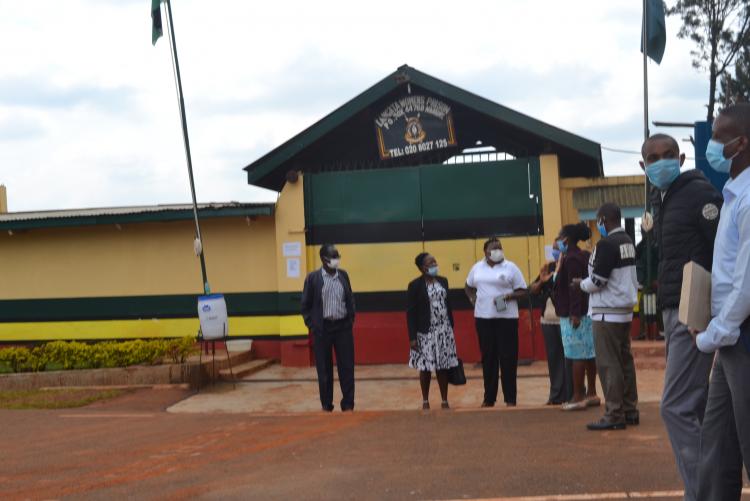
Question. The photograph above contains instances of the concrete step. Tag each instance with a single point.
(649, 355)
(642, 349)
(245, 369)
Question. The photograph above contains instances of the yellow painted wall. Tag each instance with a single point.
(568, 185)
(390, 266)
(138, 259)
(290, 228)
(570, 213)
(257, 326)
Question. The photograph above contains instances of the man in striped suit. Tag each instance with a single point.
(328, 310)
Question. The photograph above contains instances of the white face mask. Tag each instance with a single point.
(334, 263)
(497, 255)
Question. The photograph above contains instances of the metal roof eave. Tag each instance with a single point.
(266, 164)
(139, 217)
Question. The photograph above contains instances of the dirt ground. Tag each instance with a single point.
(132, 447)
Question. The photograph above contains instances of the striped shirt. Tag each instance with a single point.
(334, 307)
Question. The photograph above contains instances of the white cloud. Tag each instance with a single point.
(88, 113)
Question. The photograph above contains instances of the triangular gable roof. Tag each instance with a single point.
(269, 170)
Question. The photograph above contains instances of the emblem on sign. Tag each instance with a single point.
(414, 132)
(414, 124)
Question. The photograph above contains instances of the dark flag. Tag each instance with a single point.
(156, 31)
(656, 30)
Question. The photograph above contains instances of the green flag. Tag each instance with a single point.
(156, 31)
(656, 30)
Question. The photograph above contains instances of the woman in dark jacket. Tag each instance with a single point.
(572, 306)
(560, 368)
(430, 320)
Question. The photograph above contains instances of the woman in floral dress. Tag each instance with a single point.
(430, 321)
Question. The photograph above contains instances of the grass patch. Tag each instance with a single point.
(54, 399)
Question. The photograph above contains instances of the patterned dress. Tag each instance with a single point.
(578, 344)
(436, 349)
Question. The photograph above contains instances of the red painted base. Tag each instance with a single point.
(382, 338)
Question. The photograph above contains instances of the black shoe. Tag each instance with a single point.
(327, 408)
(604, 425)
(633, 419)
(347, 409)
(487, 404)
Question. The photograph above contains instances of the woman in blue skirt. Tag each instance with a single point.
(571, 305)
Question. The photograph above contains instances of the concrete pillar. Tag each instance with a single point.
(551, 207)
(290, 239)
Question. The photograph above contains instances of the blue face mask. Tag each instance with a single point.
(602, 229)
(432, 271)
(663, 172)
(556, 254)
(716, 158)
(562, 246)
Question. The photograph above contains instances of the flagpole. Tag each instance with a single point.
(646, 185)
(645, 73)
(199, 249)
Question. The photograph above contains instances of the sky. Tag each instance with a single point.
(89, 115)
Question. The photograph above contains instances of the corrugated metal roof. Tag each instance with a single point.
(135, 214)
(631, 195)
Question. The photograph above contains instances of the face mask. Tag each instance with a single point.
(556, 253)
(663, 172)
(715, 156)
(562, 246)
(602, 229)
(432, 271)
(497, 255)
(334, 263)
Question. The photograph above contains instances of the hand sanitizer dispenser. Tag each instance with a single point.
(212, 312)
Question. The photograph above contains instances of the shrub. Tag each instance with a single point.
(76, 355)
(17, 358)
(179, 349)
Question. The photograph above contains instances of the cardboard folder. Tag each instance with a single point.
(695, 297)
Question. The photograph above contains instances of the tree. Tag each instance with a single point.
(720, 29)
(736, 89)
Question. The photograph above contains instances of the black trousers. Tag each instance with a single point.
(336, 335)
(498, 342)
(560, 368)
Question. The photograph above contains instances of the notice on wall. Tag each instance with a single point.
(293, 267)
(414, 124)
(291, 249)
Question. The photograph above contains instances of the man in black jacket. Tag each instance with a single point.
(328, 310)
(686, 216)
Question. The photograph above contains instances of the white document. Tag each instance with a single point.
(291, 249)
(293, 267)
(695, 297)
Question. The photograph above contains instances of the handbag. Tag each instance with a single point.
(456, 375)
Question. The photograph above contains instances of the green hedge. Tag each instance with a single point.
(65, 355)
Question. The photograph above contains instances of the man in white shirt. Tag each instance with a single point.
(494, 286)
(725, 435)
